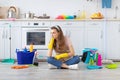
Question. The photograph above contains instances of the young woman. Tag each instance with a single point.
(65, 57)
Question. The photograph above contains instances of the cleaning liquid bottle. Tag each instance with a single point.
(25, 49)
(99, 62)
(83, 13)
(31, 47)
(78, 14)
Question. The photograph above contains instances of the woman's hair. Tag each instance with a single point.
(59, 45)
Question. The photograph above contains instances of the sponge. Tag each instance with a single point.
(111, 66)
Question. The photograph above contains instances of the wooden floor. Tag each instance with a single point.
(43, 73)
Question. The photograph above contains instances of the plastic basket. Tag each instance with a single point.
(25, 57)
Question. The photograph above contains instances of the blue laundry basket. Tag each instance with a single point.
(25, 57)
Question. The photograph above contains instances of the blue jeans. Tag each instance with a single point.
(58, 63)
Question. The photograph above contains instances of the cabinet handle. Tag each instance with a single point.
(6, 35)
(3, 34)
(119, 28)
(101, 34)
(68, 24)
(94, 24)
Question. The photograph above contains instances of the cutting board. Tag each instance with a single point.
(4, 12)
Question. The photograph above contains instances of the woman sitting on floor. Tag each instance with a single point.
(65, 57)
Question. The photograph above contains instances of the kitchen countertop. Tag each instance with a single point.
(60, 20)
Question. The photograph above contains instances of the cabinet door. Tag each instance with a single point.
(77, 38)
(5, 41)
(15, 40)
(113, 40)
(1, 43)
(94, 35)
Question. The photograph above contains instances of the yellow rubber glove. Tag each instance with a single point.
(60, 56)
(50, 45)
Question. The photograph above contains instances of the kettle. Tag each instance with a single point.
(11, 12)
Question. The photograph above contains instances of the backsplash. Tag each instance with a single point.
(54, 8)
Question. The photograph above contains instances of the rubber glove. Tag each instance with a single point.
(62, 55)
(50, 45)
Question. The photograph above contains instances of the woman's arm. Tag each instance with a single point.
(49, 54)
(71, 49)
(50, 47)
(71, 53)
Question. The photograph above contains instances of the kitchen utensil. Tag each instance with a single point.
(116, 9)
(11, 12)
(29, 15)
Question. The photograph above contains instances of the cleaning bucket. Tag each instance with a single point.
(25, 57)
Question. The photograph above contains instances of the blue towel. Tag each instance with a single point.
(106, 3)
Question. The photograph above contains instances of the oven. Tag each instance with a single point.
(37, 34)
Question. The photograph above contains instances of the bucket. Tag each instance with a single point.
(25, 57)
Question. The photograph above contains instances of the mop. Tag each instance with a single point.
(10, 60)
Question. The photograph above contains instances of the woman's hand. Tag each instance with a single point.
(62, 55)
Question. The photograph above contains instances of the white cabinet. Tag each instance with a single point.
(4, 41)
(113, 40)
(94, 35)
(10, 39)
(15, 39)
(1, 42)
(75, 30)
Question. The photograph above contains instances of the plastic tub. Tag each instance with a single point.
(25, 57)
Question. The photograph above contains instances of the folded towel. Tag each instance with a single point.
(106, 3)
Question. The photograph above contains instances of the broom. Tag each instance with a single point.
(10, 60)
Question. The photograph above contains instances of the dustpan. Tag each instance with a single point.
(9, 60)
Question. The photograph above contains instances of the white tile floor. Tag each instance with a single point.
(43, 73)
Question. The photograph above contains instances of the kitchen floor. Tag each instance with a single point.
(43, 73)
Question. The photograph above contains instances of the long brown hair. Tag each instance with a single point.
(59, 45)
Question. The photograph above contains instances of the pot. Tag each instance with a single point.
(11, 12)
(29, 15)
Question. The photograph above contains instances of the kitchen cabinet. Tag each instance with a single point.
(15, 39)
(83, 34)
(1, 43)
(113, 40)
(4, 41)
(74, 30)
(94, 35)
(9, 39)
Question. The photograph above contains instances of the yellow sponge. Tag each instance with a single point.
(111, 66)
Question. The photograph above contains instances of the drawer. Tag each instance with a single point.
(68, 24)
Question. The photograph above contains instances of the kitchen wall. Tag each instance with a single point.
(67, 7)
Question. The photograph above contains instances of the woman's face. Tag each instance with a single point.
(54, 33)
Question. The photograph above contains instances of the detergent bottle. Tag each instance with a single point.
(31, 47)
(99, 61)
(25, 49)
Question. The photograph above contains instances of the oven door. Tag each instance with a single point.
(38, 36)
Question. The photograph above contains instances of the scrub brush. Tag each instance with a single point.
(35, 61)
